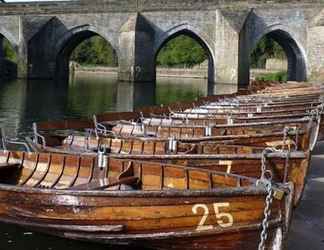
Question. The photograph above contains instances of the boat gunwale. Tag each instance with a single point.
(154, 236)
(253, 156)
(216, 137)
(252, 124)
(250, 190)
(186, 233)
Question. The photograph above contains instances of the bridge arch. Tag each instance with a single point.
(295, 53)
(69, 41)
(10, 37)
(203, 40)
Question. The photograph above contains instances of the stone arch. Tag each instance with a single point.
(296, 55)
(287, 39)
(69, 41)
(203, 39)
(11, 38)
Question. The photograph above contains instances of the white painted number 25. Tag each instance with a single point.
(223, 219)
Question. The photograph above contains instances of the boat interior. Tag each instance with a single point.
(57, 171)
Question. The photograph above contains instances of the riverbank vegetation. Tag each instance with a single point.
(265, 49)
(278, 76)
(95, 51)
(182, 51)
(9, 52)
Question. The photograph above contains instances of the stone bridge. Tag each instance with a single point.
(45, 34)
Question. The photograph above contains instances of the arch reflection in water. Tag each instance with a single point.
(8, 59)
(23, 102)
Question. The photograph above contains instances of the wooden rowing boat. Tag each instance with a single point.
(202, 113)
(136, 203)
(237, 159)
(215, 120)
(186, 108)
(284, 165)
(189, 131)
(302, 139)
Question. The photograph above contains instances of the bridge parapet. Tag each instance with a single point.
(100, 6)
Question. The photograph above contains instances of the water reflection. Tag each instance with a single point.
(22, 103)
(25, 102)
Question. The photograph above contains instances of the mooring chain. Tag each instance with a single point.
(286, 132)
(267, 214)
(266, 181)
(316, 113)
(264, 170)
(320, 108)
(297, 138)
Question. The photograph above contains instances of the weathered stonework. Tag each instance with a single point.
(45, 34)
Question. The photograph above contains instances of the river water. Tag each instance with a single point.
(22, 103)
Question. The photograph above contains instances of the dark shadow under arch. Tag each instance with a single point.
(201, 42)
(8, 66)
(296, 62)
(296, 71)
(67, 47)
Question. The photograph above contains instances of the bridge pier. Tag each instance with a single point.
(1, 47)
(44, 34)
(22, 62)
(130, 96)
(136, 47)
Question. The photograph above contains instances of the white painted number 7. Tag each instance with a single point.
(223, 219)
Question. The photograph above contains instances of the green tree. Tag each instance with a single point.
(95, 51)
(266, 48)
(9, 52)
(181, 51)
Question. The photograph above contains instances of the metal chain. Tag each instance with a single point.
(265, 181)
(264, 170)
(297, 138)
(267, 214)
(287, 130)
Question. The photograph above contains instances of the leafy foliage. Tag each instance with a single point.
(181, 51)
(9, 52)
(95, 51)
(278, 77)
(266, 48)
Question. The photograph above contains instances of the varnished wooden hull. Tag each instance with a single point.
(292, 168)
(174, 207)
(159, 221)
(304, 139)
(187, 131)
(288, 100)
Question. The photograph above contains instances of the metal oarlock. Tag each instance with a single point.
(208, 131)
(38, 136)
(259, 109)
(172, 145)
(102, 157)
(5, 141)
(230, 120)
(141, 118)
(288, 130)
